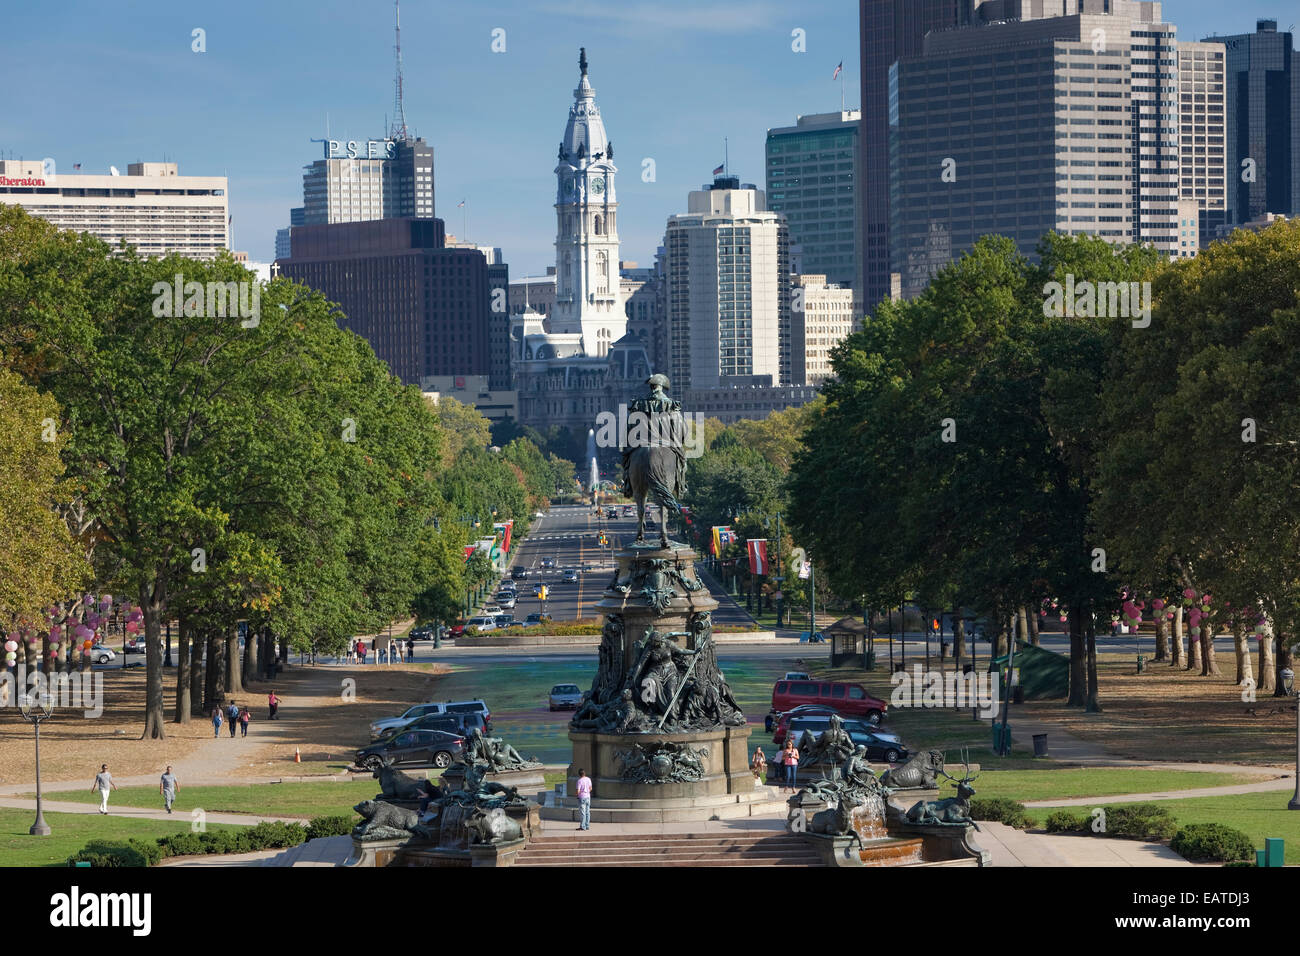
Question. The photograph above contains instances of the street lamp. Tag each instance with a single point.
(35, 709)
(1288, 682)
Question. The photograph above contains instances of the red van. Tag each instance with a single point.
(850, 700)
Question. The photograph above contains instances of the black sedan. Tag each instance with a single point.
(412, 748)
(881, 744)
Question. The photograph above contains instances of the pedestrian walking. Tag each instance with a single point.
(168, 786)
(758, 764)
(216, 721)
(103, 783)
(790, 757)
(361, 650)
(273, 703)
(232, 715)
(584, 799)
(410, 650)
(244, 718)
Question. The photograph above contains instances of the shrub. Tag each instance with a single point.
(1063, 821)
(181, 844)
(330, 826)
(117, 853)
(1141, 821)
(275, 835)
(1212, 841)
(1001, 810)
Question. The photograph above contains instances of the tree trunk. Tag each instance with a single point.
(1194, 650)
(198, 642)
(958, 641)
(1178, 655)
(1241, 648)
(284, 649)
(1267, 660)
(1033, 627)
(251, 671)
(1000, 638)
(1094, 704)
(1022, 624)
(1078, 684)
(214, 685)
(234, 682)
(1162, 638)
(153, 603)
(183, 702)
(1209, 661)
(1283, 662)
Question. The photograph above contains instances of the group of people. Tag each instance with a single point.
(788, 757)
(396, 652)
(234, 715)
(168, 786)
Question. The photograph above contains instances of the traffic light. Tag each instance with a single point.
(545, 591)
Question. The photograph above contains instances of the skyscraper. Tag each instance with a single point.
(1202, 169)
(1263, 123)
(810, 170)
(1023, 126)
(357, 181)
(728, 280)
(888, 29)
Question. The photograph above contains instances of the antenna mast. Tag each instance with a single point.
(398, 131)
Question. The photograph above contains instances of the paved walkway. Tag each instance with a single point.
(137, 813)
(1010, 847)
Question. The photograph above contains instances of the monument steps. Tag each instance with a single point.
(652, 849)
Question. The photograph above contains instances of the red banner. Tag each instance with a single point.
(469, 549)
(505, 530)
(758, 555)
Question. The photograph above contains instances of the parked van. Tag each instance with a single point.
(850, 700)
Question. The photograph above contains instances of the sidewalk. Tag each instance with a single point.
(1010, 847)
(138, 813)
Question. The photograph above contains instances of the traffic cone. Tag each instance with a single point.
(297, 755)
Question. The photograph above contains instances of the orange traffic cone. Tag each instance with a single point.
(297, 755)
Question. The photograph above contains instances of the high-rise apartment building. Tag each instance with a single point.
(423, 308)
(821, 316)
(1262, 76)
(152, 207)
(727, 285)
(810, 180)
(1041, 122)
(1202, 169)
(888, 29)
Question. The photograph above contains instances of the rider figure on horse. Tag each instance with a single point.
(666, 428)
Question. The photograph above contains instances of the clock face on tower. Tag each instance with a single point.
(598, 185)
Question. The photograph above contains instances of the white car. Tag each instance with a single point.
(506, 599)
(538, 514)
(102, 655)
(490, 610)
(481, 623)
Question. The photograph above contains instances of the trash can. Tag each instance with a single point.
(1040, 745)
(1142, 664)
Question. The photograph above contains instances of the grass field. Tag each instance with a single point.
(1063, 783)
(70, 832)
(329, 798)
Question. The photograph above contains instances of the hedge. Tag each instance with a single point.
(1001, 810)
(1063, 821)
(1213, 842)
(268, 835)
(1141, 821)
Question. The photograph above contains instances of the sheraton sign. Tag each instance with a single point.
(20, 181)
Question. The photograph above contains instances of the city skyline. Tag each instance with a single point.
(674, 84)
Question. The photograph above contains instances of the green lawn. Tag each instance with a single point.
(1063, 783)
(70, 832)
(1259, 815)
(328, 798)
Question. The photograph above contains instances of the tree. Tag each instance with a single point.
(464, 425)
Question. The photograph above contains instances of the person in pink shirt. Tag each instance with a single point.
(584, 799)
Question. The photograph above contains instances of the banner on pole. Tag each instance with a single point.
(757, 555)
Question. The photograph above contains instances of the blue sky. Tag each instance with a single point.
(102, 84)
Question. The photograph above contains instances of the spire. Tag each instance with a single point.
(399, 131)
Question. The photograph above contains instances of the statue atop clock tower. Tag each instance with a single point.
(587, 297)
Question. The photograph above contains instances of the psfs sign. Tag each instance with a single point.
(363, 149)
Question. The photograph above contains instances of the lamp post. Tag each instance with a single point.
(35, 709)
(1288, 682)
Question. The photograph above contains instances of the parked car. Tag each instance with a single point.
(102, 655)
(506, 599)
(462, 725)
(475, 705)
(490, 610)
(779, 722)
(456, 630)
(570, 575)
(795, 675)
(503, 621)
(421, 634)
(851, 700)
(412, 748)
(564, 697)
(483, 623)
(881, 744)
(518, 574)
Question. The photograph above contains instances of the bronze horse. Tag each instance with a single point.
(655, 466)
